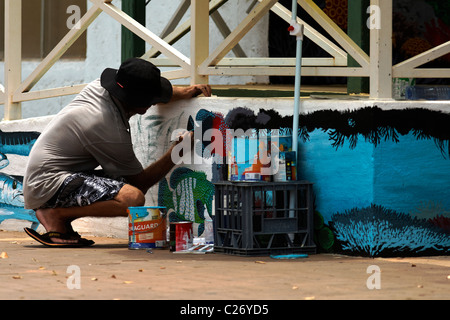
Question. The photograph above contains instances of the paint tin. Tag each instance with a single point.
(146, 228)
(181, 235)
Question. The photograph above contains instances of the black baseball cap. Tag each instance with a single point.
(138, 83)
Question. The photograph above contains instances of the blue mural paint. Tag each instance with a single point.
(343, 178)
(4, 162)
(379, 232)
(400, 176)
(11, 188)
(11, 200)
(409, 174)
(19, 143)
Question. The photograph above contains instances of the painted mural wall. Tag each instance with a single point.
(381, 179)
(381, 168)
(380, 174)
(16, 140)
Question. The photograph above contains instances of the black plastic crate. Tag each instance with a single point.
(264, 218)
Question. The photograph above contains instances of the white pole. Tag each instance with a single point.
(296, 30)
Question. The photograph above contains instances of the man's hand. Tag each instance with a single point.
(199, 89)
(188, 135)
(191, 92)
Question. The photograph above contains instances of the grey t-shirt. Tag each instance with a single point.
(91, 131)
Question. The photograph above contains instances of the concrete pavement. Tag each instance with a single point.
(109, 270)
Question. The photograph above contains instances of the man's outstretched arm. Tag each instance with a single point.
(157, 170)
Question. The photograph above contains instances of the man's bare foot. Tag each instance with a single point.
(51, 221)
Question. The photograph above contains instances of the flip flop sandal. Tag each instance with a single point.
(45, 239)
(73, 235)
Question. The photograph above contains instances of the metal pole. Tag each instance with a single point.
(296, 30)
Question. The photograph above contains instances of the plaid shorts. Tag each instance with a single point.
(82, 189)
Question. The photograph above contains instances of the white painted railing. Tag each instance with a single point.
(201, 64)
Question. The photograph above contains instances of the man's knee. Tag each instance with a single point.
(131, 196)
(138, 198)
